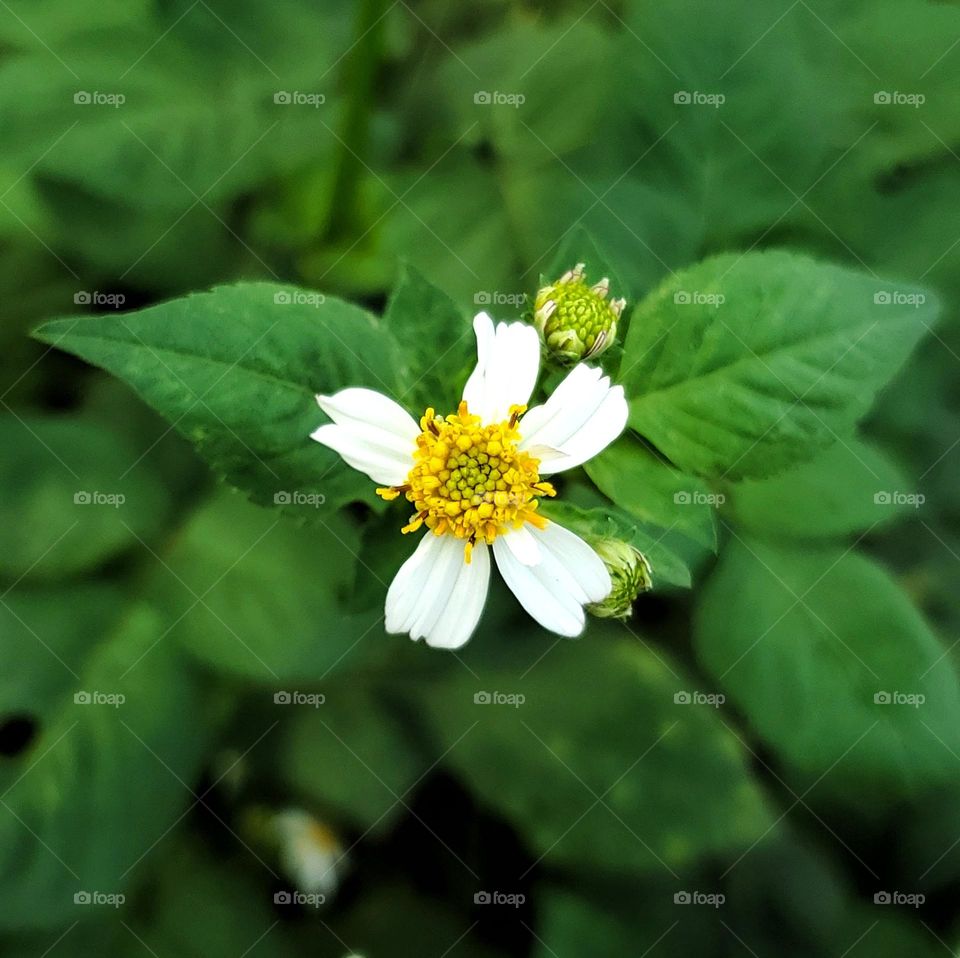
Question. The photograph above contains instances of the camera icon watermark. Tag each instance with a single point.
(896, 297)
(95, 298)
(113, 899)
(513, 699)
(497, 98)
(912, 699)
(84, 498)
(486, 297)
(897, 498)
(313, 699)
(303, 899)
(299, 497)
(896, 98)
(511, 899)
(911, 899)
(299, 98)
(696, 297)
(713, 699)
(696, 497)
(711, 899)
(298, 297)
(699, 98)
(113, 699)
(96, 98)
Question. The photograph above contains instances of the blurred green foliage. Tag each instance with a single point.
(212, 210)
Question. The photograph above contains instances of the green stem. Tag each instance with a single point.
(360, 76)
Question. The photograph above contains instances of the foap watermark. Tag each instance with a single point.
(299, 98)
(696, 497)
(696, 297)
(298, 297)
(699, 98)
(94, 297)
(712, 899)
(313, 699)
(897, 498)
(514, 699)
(299, 497)
(95, 697)
(913, 699)
(897, 297)
(898, 98)
(84, 498)
(713, 699)
(303, 899)
(98, 98)
(510, 899)
(494, 297)
(498, 98)
(113, 899)
(913, 899)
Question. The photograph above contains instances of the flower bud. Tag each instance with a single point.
(630, 574)
(576, 321)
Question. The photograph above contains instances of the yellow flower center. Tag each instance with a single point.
(470, 480)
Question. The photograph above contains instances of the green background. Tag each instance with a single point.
(765, 759)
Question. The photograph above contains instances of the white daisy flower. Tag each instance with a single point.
(474, 479)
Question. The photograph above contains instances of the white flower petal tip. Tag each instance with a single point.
(582, 417)
(371, 433)
(523, 545)
(568, 576)
(437, 595)
(508, 362)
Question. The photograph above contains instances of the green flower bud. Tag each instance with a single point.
(630, 574)
(576, 321)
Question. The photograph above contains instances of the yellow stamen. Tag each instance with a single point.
(470, 480)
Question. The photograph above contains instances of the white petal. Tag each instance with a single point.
(438, 596)
(371, 432)
(404, 591)
(508, 360)
(523, 545)
(582, 417)
(368, 406)
(435, 591)
(553, 592)
(576, 558)
(465, 602)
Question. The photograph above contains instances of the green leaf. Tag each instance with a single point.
(252, 593)
(849, 488)
(166, 143)
(351, 755)
(436, 339)
(75, 495)
(740, 163)
(746, 364)
(46, 635)
(810, 645)
(237, 913)
(639, 783)
(110, 769)
(669, 566)
(236, 371)
(467, 247)
(572, 925)
(653, 491)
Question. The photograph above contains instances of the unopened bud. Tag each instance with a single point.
(630, 574)
(576, 320)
